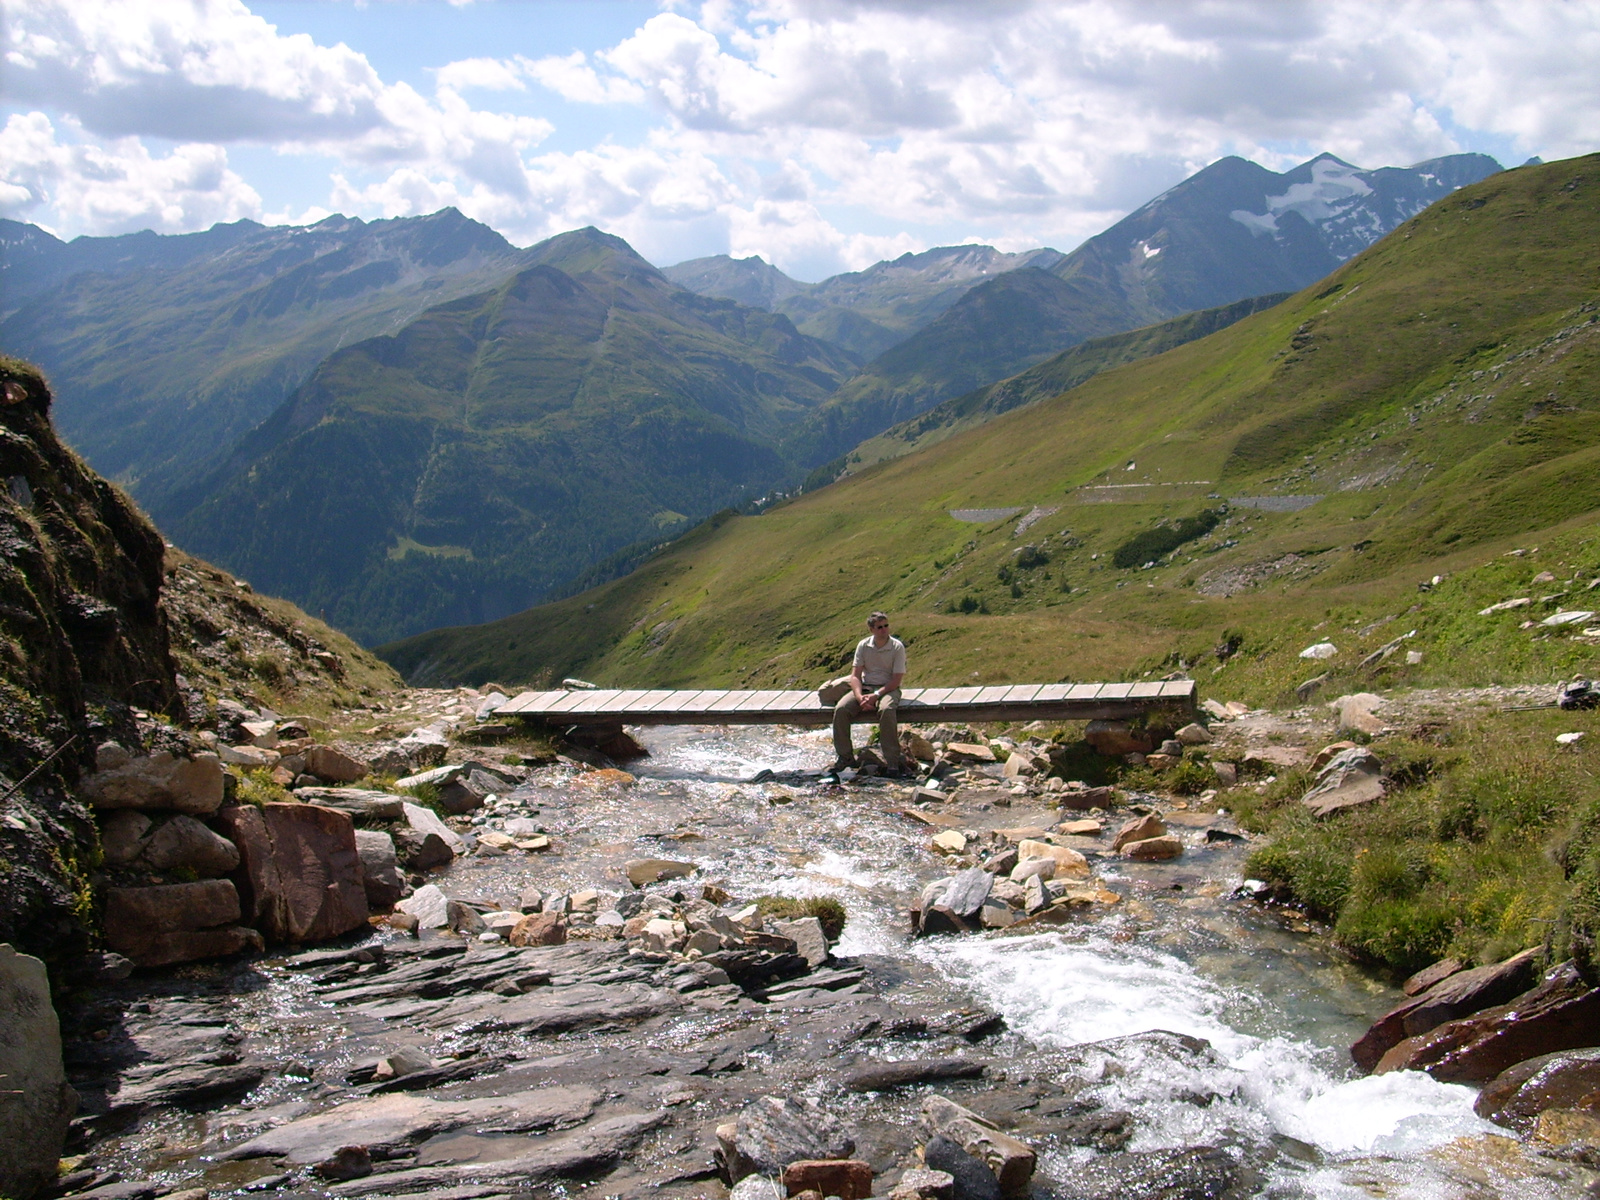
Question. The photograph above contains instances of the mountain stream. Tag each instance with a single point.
(1180, 953)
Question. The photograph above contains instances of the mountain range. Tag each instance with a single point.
(1432, 406)
(406, 423)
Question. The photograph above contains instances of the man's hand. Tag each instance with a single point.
(869, 701)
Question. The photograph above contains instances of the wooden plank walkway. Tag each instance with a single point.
(1007, 702)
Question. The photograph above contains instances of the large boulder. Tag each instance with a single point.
(335, 766)
(183, 843)
(158, 781)
(380, 868)
(35, 1102)
(1351, 777)
(358, 802)
(1565, 1079)
(1456, 995)
(176, 922)
(1561, 1013)
(773, 1132)
(299, 874)
(1011, 1160)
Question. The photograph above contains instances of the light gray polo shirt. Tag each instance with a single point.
(879, 666)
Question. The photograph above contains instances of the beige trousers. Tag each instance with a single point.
(849, 710)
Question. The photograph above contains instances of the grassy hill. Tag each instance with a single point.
(1050, 378)
(500, 444)
(1432, 405)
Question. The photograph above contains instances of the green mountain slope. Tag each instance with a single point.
(499, 444)
(165, 350)
(1432, 405)
(1229, 232)
(1050, 378)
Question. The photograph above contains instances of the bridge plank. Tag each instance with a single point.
(755, 701)
(1022, 693)
(1053, 691)
(622, 702)
(1114, 691)
(795, 701)
(1084, 691)
(1178, 688)
(962, 695)
(658, 698)
(568, 702)
(932, 696)
(991, 695)
(594, 701)
(1146, 691)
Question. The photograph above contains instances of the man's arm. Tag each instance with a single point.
(870, 700)
(855, 681)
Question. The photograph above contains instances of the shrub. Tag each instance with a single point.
(256, 787)
(826, 909)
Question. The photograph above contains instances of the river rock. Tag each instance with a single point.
(911, 1072)
(1432, 974)
(1193, 734)
(1032, 868)
(1351, 777)
(846, 1178)
(754, 1187)
(1138, 829)
(1456, 995)
(653, 870)
(1565, 1079)
(426, 821)
(1191, 1173)
(1011, 1160)
(36, 1103)
(1082, 799)
(181, 842)
(772, 1132)
(924, 1184)
(967, 891)
(970, 1176)
(1561, 1013)
(539, 929)
(969, 752)
(156, 781)
(380, 869)
(397, 1121)
(810, 942)
(1153, 849)
(299, 873)
(1068, 861)
(429, 905)
(358, 802)
(176, 922)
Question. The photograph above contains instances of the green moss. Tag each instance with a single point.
(256, 786)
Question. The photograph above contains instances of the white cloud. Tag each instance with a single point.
(813, 132)
(120, 187)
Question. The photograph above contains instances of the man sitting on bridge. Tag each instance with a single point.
(879, 666)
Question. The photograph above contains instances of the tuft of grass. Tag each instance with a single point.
(425, 794)
(826, 909)
(256, 786)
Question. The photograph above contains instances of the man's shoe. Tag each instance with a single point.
(840, 765)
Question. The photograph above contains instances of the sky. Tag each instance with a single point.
(822, 135)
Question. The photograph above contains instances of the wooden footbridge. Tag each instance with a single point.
(715, 706)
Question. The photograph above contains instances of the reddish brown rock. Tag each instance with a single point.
(847, 1178)
(177, 922)
(1456, 995)
(1565, 1079)
(1138, 829)
(335, 766)
(1083, 799)
(539, 929)
(1430, 975)
(1153, 849)
(1562, 1013)
(299, 876)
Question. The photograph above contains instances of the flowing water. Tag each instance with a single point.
(1179, 954)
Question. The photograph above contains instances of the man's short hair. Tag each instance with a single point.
(877, 616)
